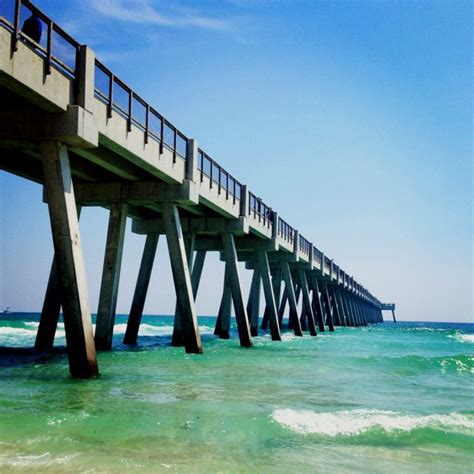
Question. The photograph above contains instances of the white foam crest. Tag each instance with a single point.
(355, 422)
(469, 338)
(153, 330)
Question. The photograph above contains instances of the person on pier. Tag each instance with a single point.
(33, 27)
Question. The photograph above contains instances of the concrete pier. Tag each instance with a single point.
(67, 131)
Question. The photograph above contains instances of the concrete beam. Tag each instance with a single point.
(307, 301)
(135, 193)
(241, 243)
(195, 225)
(76, 127)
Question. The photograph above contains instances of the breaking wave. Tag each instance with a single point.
(357, 422)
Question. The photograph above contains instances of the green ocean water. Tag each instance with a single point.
(387, 398)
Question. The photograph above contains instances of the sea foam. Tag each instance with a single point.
(356, 422)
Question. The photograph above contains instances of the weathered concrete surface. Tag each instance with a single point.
(69, 260)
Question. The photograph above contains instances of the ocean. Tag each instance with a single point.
(385, 398)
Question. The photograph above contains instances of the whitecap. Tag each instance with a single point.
(463, 337)
(356, 422)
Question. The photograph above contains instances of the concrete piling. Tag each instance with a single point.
(182, 278)
(69, 260)
(110, 277)
(141, 289)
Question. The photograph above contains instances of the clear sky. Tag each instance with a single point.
(352, 119)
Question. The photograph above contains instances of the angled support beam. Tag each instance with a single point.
(347, 309)
(269, 294)
(69, 260)
(327, 304)
(222, 328)
(110, 277)
(51, 308)
(316, 303)
(254, 302)
(141, 289)
(342, 309)
(232, 270)
(282, 308)
(393, 315)
(335, 306)
(177, 339)
(306, 301)
(294, 321)
(182, 278)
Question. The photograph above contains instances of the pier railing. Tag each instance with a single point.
(62, 52)
(259, 210)
(122, 99)
(58, 48)
(285, 231)
(218, 176)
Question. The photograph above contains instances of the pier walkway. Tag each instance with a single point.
(69, 124)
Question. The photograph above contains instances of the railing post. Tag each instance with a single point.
(296, 242)
(85, 78)
(49, 45)
(244, 199)
(16, 26)
(110, 105)
(191, 161)
(274, 226)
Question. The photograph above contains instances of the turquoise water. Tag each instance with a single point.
(387, 398)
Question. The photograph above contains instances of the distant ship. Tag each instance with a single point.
(6, 310)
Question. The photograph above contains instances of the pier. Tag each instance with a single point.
(71, 125)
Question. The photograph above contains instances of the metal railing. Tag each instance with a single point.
(259, 210)
(317, 255)
(218, 176)
(58, 49)
(327, 263)
(285, 231)
(122, 99)
(305, 245)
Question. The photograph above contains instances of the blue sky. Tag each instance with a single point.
(353, 119)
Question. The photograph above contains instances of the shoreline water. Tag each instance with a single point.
(377, 399)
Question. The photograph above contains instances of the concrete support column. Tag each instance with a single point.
(327, 303)
(182, 278)
(316, 303)
(110, 277)
(354, 310)
(254, 302)
(282, 308)
(51, 308)
(222, 328)
(232, 271)
(294, 321)
(393, 315)
(177, 339)
(307, 301)
(141, 289)
(348, 299)
(264, 268)
(342, 308)
(335, 306)
(69, 259)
